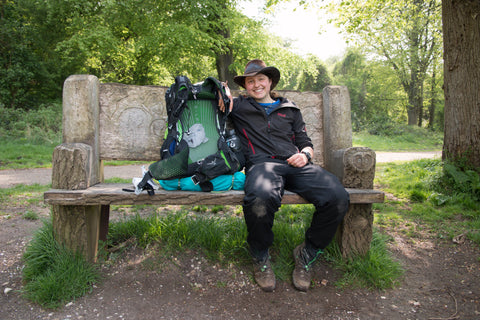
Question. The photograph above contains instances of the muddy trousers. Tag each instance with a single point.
(264, 187)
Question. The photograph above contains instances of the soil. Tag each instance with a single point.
(441, 281)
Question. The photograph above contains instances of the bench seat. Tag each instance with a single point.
(112, 194)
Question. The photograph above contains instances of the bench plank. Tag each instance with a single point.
(112, 194)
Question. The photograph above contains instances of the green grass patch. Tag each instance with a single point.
(54, 275)
(428, 200)
(222, 239)
(29, 137)
(24, 154)
(375, 270)
(31, 194)
(403, 138)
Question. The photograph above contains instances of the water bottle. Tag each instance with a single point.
(233, 141)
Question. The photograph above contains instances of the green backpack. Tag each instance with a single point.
(196, 143)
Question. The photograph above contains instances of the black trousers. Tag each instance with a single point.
(264, 187)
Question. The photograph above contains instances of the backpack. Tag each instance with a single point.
(197, 143)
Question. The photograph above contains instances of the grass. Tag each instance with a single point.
(406, 138)
(427, 201)
(25, 154)
(221, 239)
(54, 275)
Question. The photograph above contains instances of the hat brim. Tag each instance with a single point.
(271, 72)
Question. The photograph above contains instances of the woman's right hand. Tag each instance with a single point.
(221, 105)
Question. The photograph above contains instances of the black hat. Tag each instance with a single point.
(255, 67)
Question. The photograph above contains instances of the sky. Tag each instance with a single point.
(303, 27)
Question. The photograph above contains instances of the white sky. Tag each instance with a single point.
(302, 26)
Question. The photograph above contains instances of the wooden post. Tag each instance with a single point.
(76, 165)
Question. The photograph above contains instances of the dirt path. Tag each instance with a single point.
(43, 176)
(442, 281)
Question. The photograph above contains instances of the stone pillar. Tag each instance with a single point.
(81, 116)
(355, 233)
(76, 165)
(355, 167)
(337, 126)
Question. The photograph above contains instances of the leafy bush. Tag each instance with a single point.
(460, 183)
(37, 126)
(381, 125)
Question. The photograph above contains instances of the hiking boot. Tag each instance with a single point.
(264, 275)
(302, 274)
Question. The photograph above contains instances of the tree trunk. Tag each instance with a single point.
(224, 55)
(415, 100)
(461, 34)
(431, 107)
(420, 107)
(223, 61)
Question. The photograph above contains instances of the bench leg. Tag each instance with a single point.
(104, 218)
(355, 232)
(78, 228)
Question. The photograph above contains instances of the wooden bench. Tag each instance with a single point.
(108, 121)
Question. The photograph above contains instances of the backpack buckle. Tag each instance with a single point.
(195, 179)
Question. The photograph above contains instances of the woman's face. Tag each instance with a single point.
(258, 87)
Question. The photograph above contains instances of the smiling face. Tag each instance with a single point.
(258, 87)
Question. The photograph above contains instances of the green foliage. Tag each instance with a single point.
(132, 42)
(53, 274)
(439, 195)
(460, 183)
(314, 78)
(24, 74)
(404, 35)
(43, 124)
(30, 215)
(377, 98)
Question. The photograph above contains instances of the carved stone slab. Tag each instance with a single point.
(132, 121)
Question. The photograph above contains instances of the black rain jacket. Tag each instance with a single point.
(278, 135)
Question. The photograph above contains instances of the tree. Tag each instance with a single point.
(377, 100)
(461, 34)
(353, 73)
(315, 77)
(130, 41)
(23, 71)
(404, 33)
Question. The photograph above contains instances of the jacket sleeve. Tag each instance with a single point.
(302, 139)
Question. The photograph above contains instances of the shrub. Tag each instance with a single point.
(455, 182)
(37, 126)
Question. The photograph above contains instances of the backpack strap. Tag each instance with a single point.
(176, 99)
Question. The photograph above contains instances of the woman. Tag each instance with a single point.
(279, 157)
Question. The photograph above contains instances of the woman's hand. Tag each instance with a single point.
(221, 105)
(298, 160)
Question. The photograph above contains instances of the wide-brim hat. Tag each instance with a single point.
(255, 67)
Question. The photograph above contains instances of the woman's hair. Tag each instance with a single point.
(274, 94)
